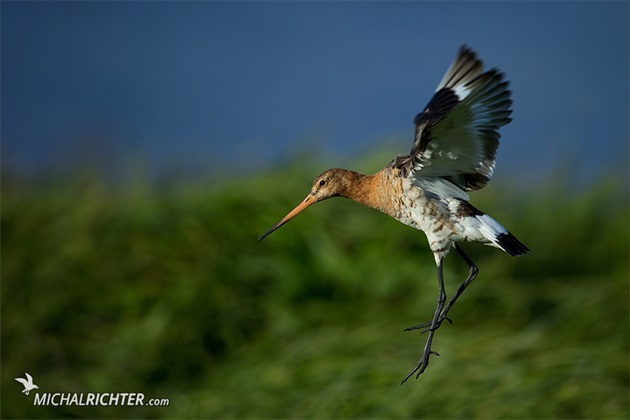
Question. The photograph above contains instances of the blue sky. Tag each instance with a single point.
(245, 84)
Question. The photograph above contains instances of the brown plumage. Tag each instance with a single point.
(453, 152)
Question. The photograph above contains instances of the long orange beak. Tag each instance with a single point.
(304, 204)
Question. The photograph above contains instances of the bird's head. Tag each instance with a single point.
(329, 184)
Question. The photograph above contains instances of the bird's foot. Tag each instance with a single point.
(428, 325)
(422, 364)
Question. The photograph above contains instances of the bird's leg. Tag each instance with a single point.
(472, 274)
(428, 325)
(423, 362)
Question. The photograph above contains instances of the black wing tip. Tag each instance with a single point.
(494, 74)
(466, 49)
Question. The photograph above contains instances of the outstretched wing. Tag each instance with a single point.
(22, 381)
(457, 134)
(29, 377)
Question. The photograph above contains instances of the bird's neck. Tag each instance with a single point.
(370, 190)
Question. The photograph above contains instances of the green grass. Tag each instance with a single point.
(165, 291)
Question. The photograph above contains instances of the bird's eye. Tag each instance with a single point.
(322, 182)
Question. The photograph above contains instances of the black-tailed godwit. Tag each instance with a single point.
(453, 152)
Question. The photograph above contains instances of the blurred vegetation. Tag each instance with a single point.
(163, 289)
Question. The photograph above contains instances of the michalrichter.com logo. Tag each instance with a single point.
(87, 398)
(28, 383)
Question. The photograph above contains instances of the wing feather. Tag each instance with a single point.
(457, 133)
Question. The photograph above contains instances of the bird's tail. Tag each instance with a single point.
(511, 245)
(498, 236)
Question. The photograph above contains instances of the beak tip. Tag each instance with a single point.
(264, 235)
(307, 202)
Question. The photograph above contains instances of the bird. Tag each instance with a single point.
(28, 384)
(453, 153)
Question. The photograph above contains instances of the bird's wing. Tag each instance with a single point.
(457, 133)
(22, 381)
(29, 377)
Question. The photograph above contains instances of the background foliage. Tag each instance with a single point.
(163, 289)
